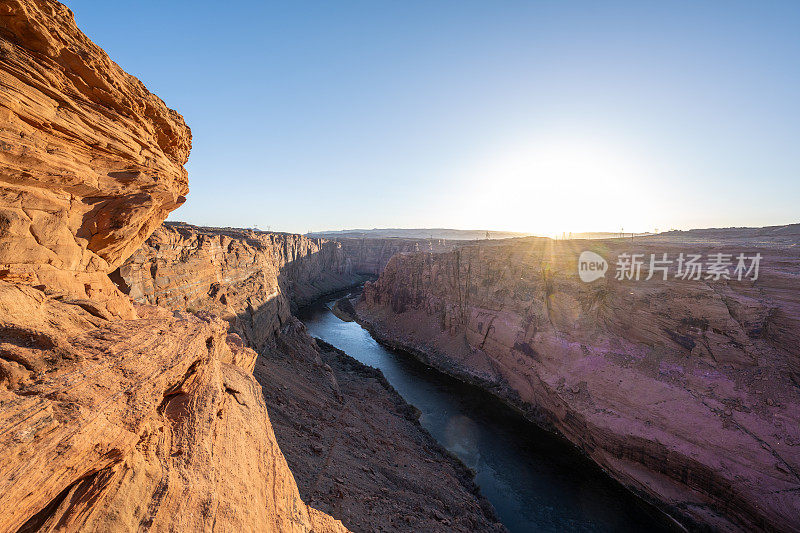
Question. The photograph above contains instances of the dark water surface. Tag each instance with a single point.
(536, 481)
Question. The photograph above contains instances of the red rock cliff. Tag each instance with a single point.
(90, 161)
(112, 418)
(252, 279)
(685, 391)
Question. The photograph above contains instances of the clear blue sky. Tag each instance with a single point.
(529, 116)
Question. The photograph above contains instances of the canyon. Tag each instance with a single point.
(254, 280)
(153, 375)
(686, 391)
(354, 446)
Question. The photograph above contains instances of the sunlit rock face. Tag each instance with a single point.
(155, 423)
(251, 278)
(684, 390)
(91, 162)
(113, 417)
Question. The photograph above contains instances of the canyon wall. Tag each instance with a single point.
(252, 279)
(115, 416)
(370, 255)
(686, 391)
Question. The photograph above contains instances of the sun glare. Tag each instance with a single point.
(552, 187)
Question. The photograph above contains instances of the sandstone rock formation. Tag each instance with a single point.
(128, 424)
(370, 255)
(252, 279)
(112, 418)
(685, 391)
(90, 161)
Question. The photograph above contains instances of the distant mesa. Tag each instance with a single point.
(785, 234)
(455, 234)
(786, 230)
(418, 233)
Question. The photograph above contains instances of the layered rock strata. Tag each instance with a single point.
(154, 423)
(252, 279)
(370, 255)
(113, 417)
(686, 391)
(90, 161)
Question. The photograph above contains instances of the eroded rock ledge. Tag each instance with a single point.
(685, 391)
(90, 161)
(128, 424)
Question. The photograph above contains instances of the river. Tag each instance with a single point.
(535, 480)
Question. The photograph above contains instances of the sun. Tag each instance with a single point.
(548, 187)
